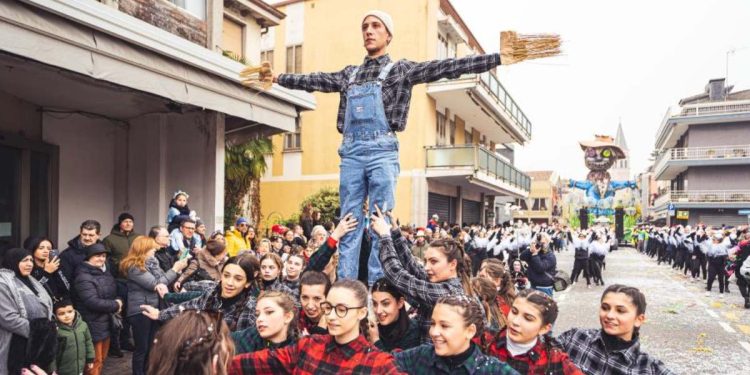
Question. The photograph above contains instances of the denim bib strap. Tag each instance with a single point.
(353, 75)
(384, 72)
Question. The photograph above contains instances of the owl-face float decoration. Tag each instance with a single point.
(600, 155)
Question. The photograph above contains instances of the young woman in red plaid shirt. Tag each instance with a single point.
(344, 351)
(525, 344)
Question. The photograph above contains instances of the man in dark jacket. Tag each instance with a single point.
(75, 254)
(119, 240)
(96, 299)
(164, 255)
(118, 243)
(542, 264)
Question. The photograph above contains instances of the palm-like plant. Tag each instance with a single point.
(244, 165)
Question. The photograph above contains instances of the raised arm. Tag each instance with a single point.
(431, 71)
(323, 82)
(405, 256)
(320, 258)
(618, 185)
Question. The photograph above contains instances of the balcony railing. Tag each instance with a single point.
(704, 196)
(480, 159)
(502, 97)
(702, 109)
(703, 153)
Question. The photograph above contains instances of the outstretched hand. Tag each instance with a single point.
(346, 225)
(379, 225)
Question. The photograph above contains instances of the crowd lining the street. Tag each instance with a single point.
(453, 300)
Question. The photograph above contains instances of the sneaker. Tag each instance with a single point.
(588, 286)
(708, 294)
(721, 295)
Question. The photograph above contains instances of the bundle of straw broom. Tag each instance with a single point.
(258, 77)
(516, 47)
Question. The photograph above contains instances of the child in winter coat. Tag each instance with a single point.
(75, 350)
(178, 210)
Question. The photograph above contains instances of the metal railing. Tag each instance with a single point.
(497, 91)
(701, 109)
(480, 159)
(702, 153)
(704, 196)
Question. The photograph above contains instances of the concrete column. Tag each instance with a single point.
(420, 197)
(460, 206)
(214, 24)
(213, 206)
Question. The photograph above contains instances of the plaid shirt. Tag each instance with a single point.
(537, 361)
(307, 327)
(320, 258)
(397, 85)
(248, 340)
(586, 349)
(412, 281)
(237, 317)
(319, 354)
(422, 360)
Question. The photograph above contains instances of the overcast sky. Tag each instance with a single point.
(626, 60)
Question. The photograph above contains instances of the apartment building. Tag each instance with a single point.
(703, 158)
(543, 204)
(457, 150)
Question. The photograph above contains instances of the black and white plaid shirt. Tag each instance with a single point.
(586, 349)
(396, 86)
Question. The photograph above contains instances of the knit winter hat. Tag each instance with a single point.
(124, 216)
(180, 192)
(95, 249)
(383, 17)
(241, 220)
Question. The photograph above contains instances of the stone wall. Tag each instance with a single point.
(167, 16)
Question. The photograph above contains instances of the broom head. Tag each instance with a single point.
(516, 47)
(257, 77)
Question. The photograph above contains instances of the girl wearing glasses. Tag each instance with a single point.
(456, 321)
(525, 343)
(344, 350)
(393, 330)
(445, 271)
(275, 327)
(234, 296)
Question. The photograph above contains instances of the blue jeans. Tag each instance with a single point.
(369, 167)
(548, 290)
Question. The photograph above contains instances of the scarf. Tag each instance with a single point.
(390, 334)
(11, 261)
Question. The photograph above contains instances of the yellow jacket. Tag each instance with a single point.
(236, 242)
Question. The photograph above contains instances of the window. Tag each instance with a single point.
(293, 141)
(468, 139)
(194, 7)
(440, 129)
(294, 59)
(540, 204)
(232, 38)
(521, 204)
(267, 56)
(452, 132)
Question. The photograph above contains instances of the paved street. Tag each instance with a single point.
(691, 333)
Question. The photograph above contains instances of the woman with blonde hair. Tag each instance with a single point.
(147, 284)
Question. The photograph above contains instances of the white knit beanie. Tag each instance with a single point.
(383, 17)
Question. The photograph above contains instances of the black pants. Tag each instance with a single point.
(716, 268)
(595, 268)
(701, 260)
(578, 266)
(144, 330)
(695, 264)
(743, 284)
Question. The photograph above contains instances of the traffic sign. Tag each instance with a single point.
(670, 206)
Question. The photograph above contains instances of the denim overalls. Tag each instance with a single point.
(369, 167)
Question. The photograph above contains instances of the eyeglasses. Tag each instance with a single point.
(341, 310)
(189, 228)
